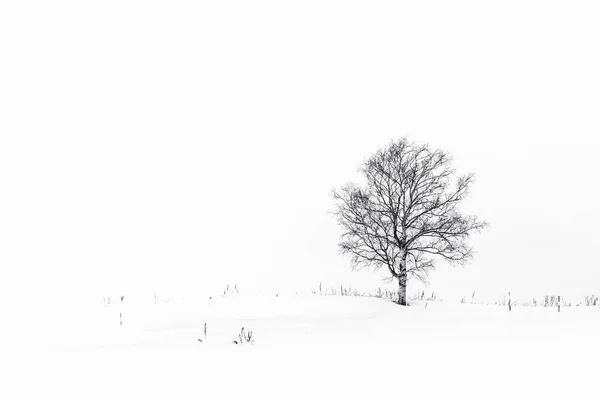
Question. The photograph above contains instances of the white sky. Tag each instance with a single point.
(175, 145)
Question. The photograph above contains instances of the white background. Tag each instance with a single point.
(178, 145)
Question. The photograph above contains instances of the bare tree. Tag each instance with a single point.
(407, 214)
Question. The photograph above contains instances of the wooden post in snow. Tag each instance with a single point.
(558, 303)
(509, 305)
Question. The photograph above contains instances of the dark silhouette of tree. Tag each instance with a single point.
(406, 215)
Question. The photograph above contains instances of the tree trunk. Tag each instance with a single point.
(402, 291)
(402, 278)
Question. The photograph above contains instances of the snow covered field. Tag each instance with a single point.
(305, 347)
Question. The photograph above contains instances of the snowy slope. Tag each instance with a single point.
(307, 347)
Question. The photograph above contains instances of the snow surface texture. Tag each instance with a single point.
(305, 347)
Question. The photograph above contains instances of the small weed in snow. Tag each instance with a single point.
(205, 329)
(244, 337)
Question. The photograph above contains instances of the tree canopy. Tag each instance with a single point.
(406, 213)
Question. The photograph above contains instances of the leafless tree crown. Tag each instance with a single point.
(407, 212)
